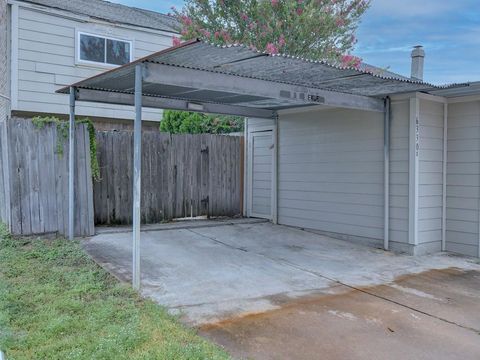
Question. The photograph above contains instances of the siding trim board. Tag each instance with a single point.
(414, 132)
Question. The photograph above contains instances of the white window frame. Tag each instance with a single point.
(80, 61)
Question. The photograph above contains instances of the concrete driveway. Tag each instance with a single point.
(272, 292)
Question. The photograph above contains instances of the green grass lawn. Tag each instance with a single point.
(56, 303)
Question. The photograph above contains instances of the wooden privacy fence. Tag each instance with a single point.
(38, 178)
(4, 211)
(182, 176)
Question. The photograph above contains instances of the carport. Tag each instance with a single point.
(232, 80)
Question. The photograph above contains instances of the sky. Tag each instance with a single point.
(449, 30)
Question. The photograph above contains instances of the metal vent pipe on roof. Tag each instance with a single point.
(418, 60)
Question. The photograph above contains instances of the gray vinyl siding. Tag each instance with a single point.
(331, 172)
(463, 178)
(399, 162)
(430, 183)
(46, 62)
(255, 123)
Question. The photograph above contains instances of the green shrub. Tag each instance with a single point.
(184, 122)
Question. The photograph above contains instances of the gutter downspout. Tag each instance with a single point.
(386, 174)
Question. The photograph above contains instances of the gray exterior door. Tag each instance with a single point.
(261, 150)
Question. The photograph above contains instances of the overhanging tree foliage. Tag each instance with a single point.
(314, 29)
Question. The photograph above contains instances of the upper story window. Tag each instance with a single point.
(103, 50)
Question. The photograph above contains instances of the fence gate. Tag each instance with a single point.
(182, 176)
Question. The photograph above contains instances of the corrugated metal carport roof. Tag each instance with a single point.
(242, 61)
(236, 75)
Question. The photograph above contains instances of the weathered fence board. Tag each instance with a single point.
(182, 176)
(39, 180)
(3, 173)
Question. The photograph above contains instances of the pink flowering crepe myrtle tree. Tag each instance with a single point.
(313, 29)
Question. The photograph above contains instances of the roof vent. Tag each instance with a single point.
(418, 59)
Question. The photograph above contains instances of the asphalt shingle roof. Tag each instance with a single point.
(114, 13)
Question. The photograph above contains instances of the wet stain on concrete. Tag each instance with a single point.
(431, 315)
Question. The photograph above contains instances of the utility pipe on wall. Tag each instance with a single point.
(386, 177)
